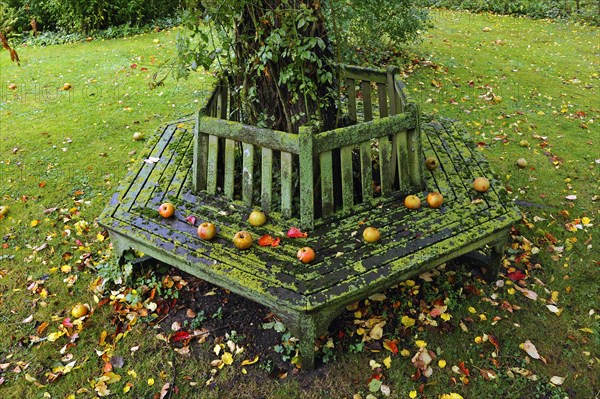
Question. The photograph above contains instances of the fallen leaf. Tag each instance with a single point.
(531, 350)
(528, 293)
(295, 232)
(556, 380)
(388, 362)
(248, 362)
(181, 336)
(268, 240)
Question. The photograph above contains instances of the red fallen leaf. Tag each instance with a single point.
(191, 220)
(295, 232)
(517, 275)
(133, 66)
(181, 336)
(391, 346)
(463, 369)
(67, 322)
(268, 240)
(143, 69)
(471, 289)
(494, 341)
(42, 184)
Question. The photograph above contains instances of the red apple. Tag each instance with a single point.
(242, 240)
(207, 231)
(166, 210)
(434, 199)
(306, 254)
(481, 184)
(412, 202)
(257, 218)
(371, 234)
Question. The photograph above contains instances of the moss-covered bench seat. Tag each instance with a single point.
(346, 269)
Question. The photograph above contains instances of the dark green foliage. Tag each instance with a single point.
(84, 16)
(371, 32)
(579, 10)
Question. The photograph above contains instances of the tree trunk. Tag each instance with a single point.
(283, 66)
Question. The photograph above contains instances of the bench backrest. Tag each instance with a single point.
(314, 176)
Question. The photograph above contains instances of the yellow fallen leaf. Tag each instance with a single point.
(227, 358)
(586, 330)
(248, 362)
(585, 220)
(445, 316)
(150, 381)
(441, 363)
(405, 352)
(127, 387)
(377, 331)
(412, 394)
(55, 335)
(420, 343)
(452, 395)
(132, 373)
(472, 310)
(34, 223)
(408, 321)
(65, 269)
(388, 362)
(100, 237)
(29, 378)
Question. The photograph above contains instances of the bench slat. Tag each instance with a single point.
(228, 185)
(247, 173)
(306, 160)
(286, 184)
(367, 103)
(385, 166)
(211, 170)
(326, 163)
(201, 155)
(382, 100)
(347, 177)
(402, 161)
(266, 177)
(366, 173)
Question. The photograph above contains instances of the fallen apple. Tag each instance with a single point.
(371, 234)
(434, 199)
(481, 184)
(306, 254)
(166, 210)
(524, 143)
(257, 218)
(207, 231)
(522, 163)
(412, 202)
(242, 240)
(431, 163)
(12, 86)
(137, 136)
(67, 86)
(3, 210)
(80, 310)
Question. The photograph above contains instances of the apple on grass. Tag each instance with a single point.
(166, 210)
(242, 240)
(306, 254)
(80, 310)
(207, 231)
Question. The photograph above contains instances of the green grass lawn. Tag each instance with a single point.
(63, 153)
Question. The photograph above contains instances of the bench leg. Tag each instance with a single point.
(120, 244)
(492, 262)
(495, 259)
(308, 335)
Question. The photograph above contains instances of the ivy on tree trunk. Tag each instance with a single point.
(277, 57)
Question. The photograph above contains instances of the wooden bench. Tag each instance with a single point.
(332, 184)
